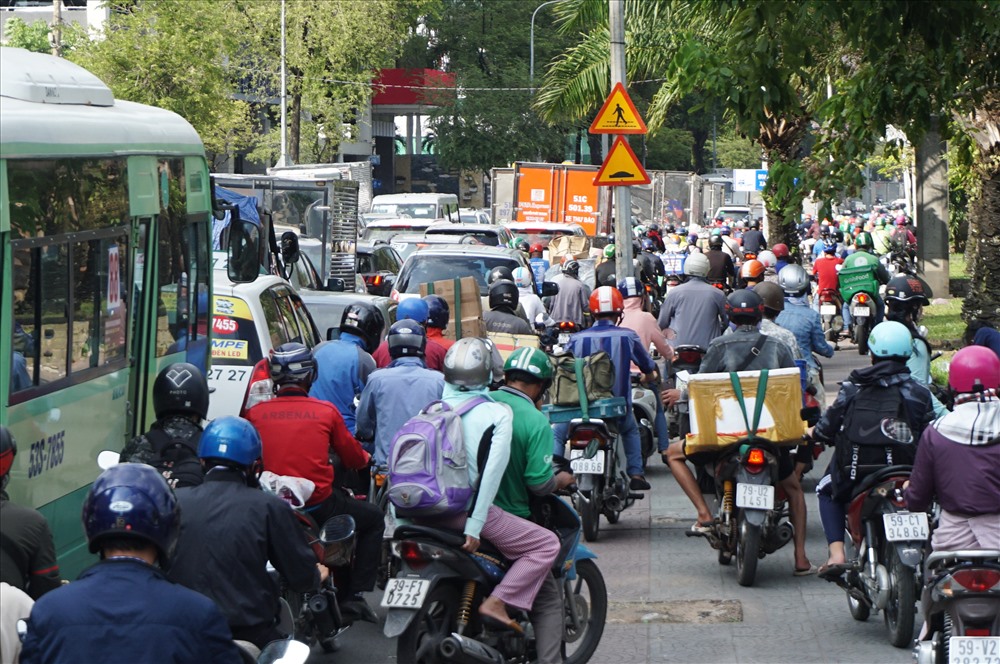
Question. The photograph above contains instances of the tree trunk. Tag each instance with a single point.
(698, 150)
(982, 253)
(596, 157)
(294, 126)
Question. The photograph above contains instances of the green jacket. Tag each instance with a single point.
(529, 470)
(861, 272)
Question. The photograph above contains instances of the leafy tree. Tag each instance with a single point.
(35, 36)
(669, 150)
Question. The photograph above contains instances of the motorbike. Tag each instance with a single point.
(553, 338)
(687, 360)
(884, 546)
(863, 319)
(961, 608)
(433, 601)
(829, 312)
(644, 410)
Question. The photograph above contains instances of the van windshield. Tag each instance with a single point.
(406, 210)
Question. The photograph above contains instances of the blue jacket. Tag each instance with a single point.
(804, 322)
(392, 396)
(624, 347)
(343, 367)
(123, 610)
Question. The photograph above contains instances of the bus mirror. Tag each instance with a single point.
(550, 289)
(289, 247)
(244, 251)
(336, 284)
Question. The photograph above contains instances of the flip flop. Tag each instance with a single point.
(496, 623)
(833, 572)
(805, 572)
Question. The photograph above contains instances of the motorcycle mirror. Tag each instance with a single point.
(284, 652)
(108, 459)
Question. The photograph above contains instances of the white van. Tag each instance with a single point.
(430, 207)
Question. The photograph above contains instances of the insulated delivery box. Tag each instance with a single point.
(717, 421)
(464, 303)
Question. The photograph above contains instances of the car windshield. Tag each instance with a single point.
(489, 237)
(542, 237)
(425, 268)
(469, 218)
(406, 210)
(386, 233)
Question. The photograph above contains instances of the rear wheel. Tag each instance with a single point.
(859, 610)
(590, 598)
(437, 618)
(590, 514)
(861, 336)
(747, 550)
(901, 610)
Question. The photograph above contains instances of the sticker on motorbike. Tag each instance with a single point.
(563, 339)
(593, 466)
(860, 311)
(828, 310)
(974, 650)
(906, 526)
(755, 496)
(405, 593)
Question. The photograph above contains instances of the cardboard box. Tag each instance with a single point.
(464, 303)
(508, 343)
(716, 418)
(577, 246)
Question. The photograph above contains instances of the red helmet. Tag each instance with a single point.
(780, 250)
(536, 247)
(606, 300)
(974, 369)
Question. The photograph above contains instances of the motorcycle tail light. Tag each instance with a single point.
(755, 460)
(567, 326)
(260, 388)
(977, 631)
(582, 436)
(862, 298)
(418, 555)
(689, 356)
(394, 295)
(977, 580)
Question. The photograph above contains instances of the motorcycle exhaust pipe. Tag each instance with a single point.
(319, 607)
(614, 503)
(463, 650)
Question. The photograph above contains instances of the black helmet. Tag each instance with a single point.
(8, 450)
(522, 245)
(571, 268)
(754, 223)
(907, 288)
(715, 242)
(745, 307)
(292, 363)
(406, 338)
(364, 320)
(438, 312)
(180, 389)
(499, 272)
(503, 295)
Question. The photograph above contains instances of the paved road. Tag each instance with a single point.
(655, 573)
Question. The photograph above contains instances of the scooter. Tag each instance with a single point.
(961, 608)
(644, 410)
(829, 312)
(863, 313)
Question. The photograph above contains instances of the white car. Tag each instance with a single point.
(386, 229)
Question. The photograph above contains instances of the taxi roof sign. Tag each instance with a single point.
(621, 167)
(618, 115)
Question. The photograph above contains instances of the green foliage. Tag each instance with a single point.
(736, 152)
(35, 36)
(669, 149)
(944, 321)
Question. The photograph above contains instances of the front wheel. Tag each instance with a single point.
(747, 550)
(590, 514)
(861, 335)
(590, 600)
(436, 620)
(901, 609)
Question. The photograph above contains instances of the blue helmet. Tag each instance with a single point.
(413, 308)
(292, 363)
(232, 441)
(890, 340)
(132, 500)
(630, 287)
(648, 244)
(438, 312)
(406, 338)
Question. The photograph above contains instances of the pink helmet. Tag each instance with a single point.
(901, 220)
(974, 369)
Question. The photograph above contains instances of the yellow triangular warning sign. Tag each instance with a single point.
(618, 115)
(621, 167)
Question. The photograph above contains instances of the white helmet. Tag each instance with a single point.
(767, 258)
(522, 277)
(468, 363)
(696, 265)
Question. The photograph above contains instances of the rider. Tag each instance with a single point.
(438, 314)
(826, 269)
(903, 241)
(27, 552)
(958, 457)
(880, 237)
(180, 401)
(527, 297)
(605, 272)
(905, 297)
(299, 433)
(231, 529)
(862, 271)
(722, 269)
(343, 366)
(753, 240)
(416, 309)
(503, 300)
(625, 348)
(780, 251)
(570, 303)
(805, 323)
(124, 609)
(751, 273)
(694, 309)
(981, 332)
(856, 417)
(653, 265)
(395, 394)
(527, 375)
(539, 266)
(769, 261)
(653, 233)
(730, 246)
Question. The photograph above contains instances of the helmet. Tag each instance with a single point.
(292, 364)
(780, 250)
(438, 312)
(654, 227)
(648, 245)
(974, 369)
(230, 440)
(522, 277)
(180, 389)
(365, 321)
(907, 288)
(890, 339)
(752, 269)
(537, 248)
(754, 223)
(741, 224)
(864, 241)
(498, 273)
(824, 230)
(609, 251)
(413, 308)
(793, 280)
(767, 258)
(771, 294)
(468, 363)
(744, 307)
(606, 300)
(8, 450)
(715, 242)
(503, 295)
(901, 220)
(880, 222)
(830, 248)
(696, 265)
(522, 245)
(132, 500)
(528, 363)
(571, 268)
(630, 287)
(406, 338)
(724, 230)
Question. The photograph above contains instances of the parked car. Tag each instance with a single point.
(473, 216)
(378, 265)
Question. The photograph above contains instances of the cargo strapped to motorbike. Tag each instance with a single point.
(758, 402)
(607, 408)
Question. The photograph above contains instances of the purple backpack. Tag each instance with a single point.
(428, 469)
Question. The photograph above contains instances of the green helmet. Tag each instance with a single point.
(531, 361)
(880, 222)
(609, 251)
(863, 241)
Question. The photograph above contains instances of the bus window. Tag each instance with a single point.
(176, 276)
(99, 310)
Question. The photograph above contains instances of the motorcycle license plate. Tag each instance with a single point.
(828, 310)
(906, 526)
(563, 339)
(755, 496)
(974, 650)
(860, 311)
(405, 593)
(593, 466)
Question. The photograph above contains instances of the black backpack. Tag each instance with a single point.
(177, 458)
(898, 240)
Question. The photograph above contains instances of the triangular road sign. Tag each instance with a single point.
(618, 115)
(621, 167)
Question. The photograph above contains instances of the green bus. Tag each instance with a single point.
(105, 275)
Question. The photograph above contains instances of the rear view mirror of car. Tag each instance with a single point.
(336, 284)
(244, 251)
(549, 288)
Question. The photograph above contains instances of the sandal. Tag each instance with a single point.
(701, 528)
(832, 572)
(805, 572)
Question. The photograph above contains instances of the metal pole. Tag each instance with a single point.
(623, 195)
(57, 28)
(531, 65)
(283, 159)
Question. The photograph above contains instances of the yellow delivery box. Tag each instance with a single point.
(717, 420)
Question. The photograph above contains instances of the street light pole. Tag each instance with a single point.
(623, 195)
(283, 159)
(531, 66)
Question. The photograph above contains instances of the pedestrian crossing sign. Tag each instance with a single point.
(618, 115)
(621, 167)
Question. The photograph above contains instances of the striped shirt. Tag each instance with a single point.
(624, 347)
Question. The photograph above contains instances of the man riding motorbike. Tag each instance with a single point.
(503, 300)
(863, 272)
(906, 296)
(413, 308)
(722, 269)
(343, 365)
(804, 323)
(527, 297)
(753, 239)
(694, 309)
(781, 254)
(438, 314)
(605, 272)
(570, 303)
(826, 269)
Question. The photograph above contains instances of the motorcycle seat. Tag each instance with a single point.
(452, 537)
(878, 476)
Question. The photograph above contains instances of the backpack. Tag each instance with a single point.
(176, 458)
(597, 372)
(428, 468)
(899, 240)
